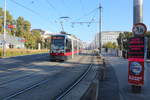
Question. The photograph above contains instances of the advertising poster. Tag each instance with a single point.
(136, 72)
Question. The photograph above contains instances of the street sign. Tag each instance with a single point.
(139, 29)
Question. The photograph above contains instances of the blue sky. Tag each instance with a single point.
(117, 15)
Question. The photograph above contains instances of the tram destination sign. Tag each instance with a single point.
(136, 47)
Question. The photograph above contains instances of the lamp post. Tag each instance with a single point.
(4, 35)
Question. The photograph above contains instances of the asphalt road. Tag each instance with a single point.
(19, 73)
(115, 86)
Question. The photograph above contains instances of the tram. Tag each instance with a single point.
(64, 46)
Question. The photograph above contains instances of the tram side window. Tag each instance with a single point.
(75, 45)
(68, 45)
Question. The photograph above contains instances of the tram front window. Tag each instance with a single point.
(57, 43)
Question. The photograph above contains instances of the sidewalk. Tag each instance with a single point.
(109, 87)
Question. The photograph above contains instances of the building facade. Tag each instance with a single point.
(12, 41)
(110, 37)
(107, 36)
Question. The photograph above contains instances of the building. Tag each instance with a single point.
(110, 37)
(107, 36)
(44, 34)
(12, 41)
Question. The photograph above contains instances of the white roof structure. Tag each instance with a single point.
(17, 42)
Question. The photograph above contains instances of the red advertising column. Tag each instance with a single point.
(136, 55)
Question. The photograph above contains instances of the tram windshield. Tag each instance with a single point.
(57, 42)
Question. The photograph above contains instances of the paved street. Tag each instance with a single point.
(36, 78)
(115, 86)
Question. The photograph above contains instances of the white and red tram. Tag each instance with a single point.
(64, 46)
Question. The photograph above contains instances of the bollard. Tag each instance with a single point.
(103, 70)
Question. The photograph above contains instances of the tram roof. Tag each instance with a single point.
(67, 35)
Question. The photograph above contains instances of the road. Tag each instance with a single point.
(34, 77)
(115, 86)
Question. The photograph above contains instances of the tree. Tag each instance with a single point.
(123, 40)
(20, 26)
(37, 37)
(27, 26)
(110, 45)
(8, 20)
(23, 29)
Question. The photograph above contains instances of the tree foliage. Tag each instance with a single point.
(123, 40)
(23, 29)
(9, 20)
(110, 45)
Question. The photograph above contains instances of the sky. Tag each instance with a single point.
(117, 15)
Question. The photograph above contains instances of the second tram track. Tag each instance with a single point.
(75, 83)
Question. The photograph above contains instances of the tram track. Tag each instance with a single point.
(45, 80)
(75, 83)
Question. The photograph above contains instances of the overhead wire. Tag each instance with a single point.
(92, 20)
(87, 14)
(25, 7)
(50, 5)
(28, 9)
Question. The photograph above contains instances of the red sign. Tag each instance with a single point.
(136, 55)
(136, 47)
(136, 60)
(11, 26)
(136, 71)
(23, 40)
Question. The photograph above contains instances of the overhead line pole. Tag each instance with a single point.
(100, 28)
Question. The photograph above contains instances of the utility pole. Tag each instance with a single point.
(4, 35)
(100, 28)
(138, 11)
